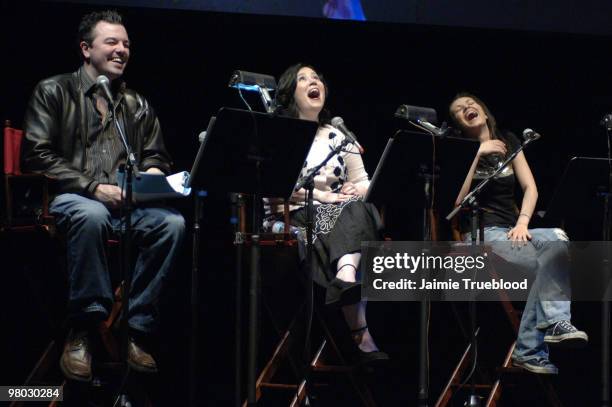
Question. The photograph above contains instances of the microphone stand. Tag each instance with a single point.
(471, 201)
(237, 207)
(307, 182)
(131, 169)
(471, 197)
(194, 300)
(424, 303)
(605, 305)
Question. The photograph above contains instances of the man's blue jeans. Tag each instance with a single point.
(546, 255)
(157, 233)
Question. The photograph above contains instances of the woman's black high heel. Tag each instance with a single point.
(341, 293)
(368, 359)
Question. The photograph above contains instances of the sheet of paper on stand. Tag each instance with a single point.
(151, 187)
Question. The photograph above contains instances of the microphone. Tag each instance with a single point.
(338, 123)
(103, 83)
(202, 136)
(530, 135)
(442, 131)
(211, 122)
(606, 121)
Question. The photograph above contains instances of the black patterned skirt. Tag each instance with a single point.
(339, 229)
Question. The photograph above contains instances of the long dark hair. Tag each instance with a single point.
(285, 93)
(491, 122)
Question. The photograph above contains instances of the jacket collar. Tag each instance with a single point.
(88, 85)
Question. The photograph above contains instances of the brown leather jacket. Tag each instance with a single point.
(55, 133)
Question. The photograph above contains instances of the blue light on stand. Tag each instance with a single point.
(255, 82)
(248, 88)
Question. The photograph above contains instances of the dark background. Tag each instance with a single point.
(556, 83)
(574, 16)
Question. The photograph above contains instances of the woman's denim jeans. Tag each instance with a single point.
(548, 301)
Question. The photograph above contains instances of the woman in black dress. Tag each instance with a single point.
(342, 219)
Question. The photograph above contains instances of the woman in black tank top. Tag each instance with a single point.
(546, 317)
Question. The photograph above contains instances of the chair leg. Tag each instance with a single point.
(455, 378)
(495, 393)
(283, 351)
(358, 385)
(104, 328)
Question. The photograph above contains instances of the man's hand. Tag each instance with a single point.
(109, 195)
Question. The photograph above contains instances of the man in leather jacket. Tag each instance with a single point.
(70, 137)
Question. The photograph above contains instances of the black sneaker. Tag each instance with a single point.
(538, 365)
(565, 334)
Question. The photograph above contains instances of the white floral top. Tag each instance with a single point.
(343, 167)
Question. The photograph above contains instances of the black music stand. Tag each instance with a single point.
(198, 194)
(411, 164)
(406, 167)
(256, 153)
(582, 192)
(583, 181)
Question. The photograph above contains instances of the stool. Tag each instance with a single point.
(326, 363)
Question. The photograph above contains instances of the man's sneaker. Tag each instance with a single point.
(565, 334)
(537, 365)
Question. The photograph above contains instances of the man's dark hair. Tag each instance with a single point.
(285, 93)
(89, 21)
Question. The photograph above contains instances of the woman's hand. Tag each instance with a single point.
(492, 147)
(332, 197)
(519, 234)
(349, 189)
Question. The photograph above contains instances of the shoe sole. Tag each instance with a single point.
(72, 376)
(571, 340)
(140, 368)
(535, 369)
(371, 366)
